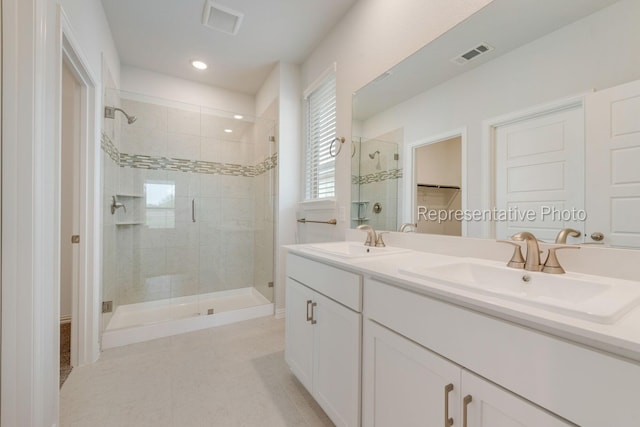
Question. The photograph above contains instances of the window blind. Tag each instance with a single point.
(320, 130)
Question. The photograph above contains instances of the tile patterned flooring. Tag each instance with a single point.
(228, 376)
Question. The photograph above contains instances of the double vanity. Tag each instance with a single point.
(389, 336)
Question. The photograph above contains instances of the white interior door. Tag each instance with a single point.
(613, 162)
(539, 173)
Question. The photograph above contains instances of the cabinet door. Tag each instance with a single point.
(299, 332)
(336, 379)
(492, 406)
(404, 384)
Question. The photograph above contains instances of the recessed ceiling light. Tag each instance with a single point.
(199, 65)
(238, 116)
(228, 130)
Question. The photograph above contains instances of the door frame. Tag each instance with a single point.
(409, 165)
(85, 340)
(488, 157)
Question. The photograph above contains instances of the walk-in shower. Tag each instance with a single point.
(193, 245)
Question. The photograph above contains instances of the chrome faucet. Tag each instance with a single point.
(372, 237)
(532, 261)
(564, 233)
(406, 225)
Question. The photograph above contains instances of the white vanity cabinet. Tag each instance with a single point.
(516, 376)
(323, 335)
(405, 384)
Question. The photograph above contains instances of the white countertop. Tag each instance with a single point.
(621, 338)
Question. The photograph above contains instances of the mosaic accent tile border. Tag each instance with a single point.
(141, 161)
(378, 176)
(109, 148)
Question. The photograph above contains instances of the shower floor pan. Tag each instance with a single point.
(145, 321)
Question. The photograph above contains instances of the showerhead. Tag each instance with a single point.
(110, 113)
(373, 155)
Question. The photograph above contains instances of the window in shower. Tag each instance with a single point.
(160, 204)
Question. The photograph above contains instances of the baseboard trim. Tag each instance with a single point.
(280, 313)
(65, 319)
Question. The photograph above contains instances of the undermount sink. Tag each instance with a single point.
(593, 298)
(354, 249)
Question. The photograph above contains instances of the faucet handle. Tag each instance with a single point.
(379, 241)
(406, 225)
(552, 265)
(371, 234)
(517, 260)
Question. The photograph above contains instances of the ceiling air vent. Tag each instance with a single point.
(472, 54)
(221, 18)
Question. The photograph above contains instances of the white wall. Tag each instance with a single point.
(371, 38)
(144, 82)
(439, 163)
(91, 29)
(594, 53)
(289, 160)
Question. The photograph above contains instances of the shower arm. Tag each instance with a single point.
(110, 113)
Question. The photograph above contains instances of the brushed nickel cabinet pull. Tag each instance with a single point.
(193, 210)
(309, 316)
(465, 406)
(313, 321)
(448, 421)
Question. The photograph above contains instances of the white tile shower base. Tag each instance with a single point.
(132, 323)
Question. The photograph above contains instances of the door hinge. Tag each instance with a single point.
(75, 238)
(107, 306)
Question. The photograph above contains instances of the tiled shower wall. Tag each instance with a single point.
(224, 177)
(378, 183)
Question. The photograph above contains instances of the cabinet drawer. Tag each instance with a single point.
(584, 386)
(342, 286)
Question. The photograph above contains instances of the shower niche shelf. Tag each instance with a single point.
(132, 203)
(361, 210)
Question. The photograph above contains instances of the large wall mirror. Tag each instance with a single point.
(526, 116)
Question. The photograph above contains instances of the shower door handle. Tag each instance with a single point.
(309, 316)
(193, 210)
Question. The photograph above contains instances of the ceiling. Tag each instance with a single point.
(165, 35)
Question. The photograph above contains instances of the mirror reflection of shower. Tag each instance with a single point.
(373, 156)
(110, 113)
(375, 178)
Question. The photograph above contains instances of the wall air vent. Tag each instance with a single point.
(472, 54)
(221, 18)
